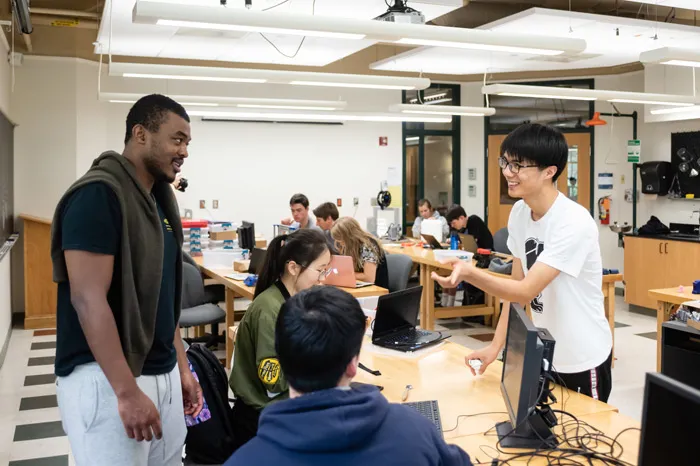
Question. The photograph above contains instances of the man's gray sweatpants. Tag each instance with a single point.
(96, 433)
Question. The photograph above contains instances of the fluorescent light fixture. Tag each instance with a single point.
(193, 78)
(265, 30)
(671, 56)
(666, 111)
(242, 102)
(216, 17)
(439, 101)
(564, 93)
(413, 139)
(429, 98)
(474, 46)
(204, 73)
(442, 110)
(689, 4)
(301, 116)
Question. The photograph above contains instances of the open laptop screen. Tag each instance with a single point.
(397, 311)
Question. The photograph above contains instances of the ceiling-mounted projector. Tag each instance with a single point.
(400, 12)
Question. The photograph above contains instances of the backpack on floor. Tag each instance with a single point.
(210, 441)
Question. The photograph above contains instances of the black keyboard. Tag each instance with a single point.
(408, 336)
(429, 410)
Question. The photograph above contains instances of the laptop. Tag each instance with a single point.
(342, 273)
(468, 243)
(432, 241)
(396, 320)
(257, 260)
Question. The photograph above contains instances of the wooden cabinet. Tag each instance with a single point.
(658, 263)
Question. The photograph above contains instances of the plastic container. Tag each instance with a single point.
(444, 254)
(220, 258)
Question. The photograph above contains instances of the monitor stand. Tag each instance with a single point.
(531, 435)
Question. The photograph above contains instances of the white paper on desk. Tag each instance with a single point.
(239, 277)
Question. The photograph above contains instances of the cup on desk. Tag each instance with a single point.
(370, 314)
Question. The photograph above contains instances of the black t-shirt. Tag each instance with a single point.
(92, 221)
(478, 229)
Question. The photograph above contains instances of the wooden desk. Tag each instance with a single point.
(237, 289)
(480, 446)
(440, 373)
(40, 291)
(425, 258)
(667, 300)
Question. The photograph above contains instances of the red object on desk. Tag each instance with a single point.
(195, 224)
(485, 252)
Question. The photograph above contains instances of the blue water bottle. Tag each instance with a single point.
(454, 242)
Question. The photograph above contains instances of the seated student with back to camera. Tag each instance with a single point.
(426, 211)
(560, 271)
(318, 339)
(367, 254)
(301, 220)
(293, 263)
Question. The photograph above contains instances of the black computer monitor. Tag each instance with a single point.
(257, 260)
(669, 423)
(521, 386)
(246, 236)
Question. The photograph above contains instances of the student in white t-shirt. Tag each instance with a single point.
(558, 268)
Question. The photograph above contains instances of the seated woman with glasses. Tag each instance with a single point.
(368, 256)
(293, 263)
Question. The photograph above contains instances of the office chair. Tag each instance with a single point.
(500, 241)
(214, 293)
(196, 311)
(399, 270)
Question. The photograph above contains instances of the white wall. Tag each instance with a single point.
(251, 168)
(473, 151)
(5, 82)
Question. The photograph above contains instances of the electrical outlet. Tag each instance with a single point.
(188, 213)
(202, 204)
(355, 201)
(215, 204)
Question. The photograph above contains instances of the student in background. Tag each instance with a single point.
(472, 225)
(293, 263)
(366, 252)
(299, 204)
(426, 211)
(326, 215)
(326, 421)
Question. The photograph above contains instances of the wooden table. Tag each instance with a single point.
(237, 289)
(440, 373)
(667, 300)
(425, 258)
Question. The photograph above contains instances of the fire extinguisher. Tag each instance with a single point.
(604, 210)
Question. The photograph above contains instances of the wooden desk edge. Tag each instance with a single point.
(32, 218)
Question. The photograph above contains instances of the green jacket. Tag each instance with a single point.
(256, 377)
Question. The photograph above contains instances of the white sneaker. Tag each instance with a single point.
(450, 301)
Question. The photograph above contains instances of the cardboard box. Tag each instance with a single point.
(223, 235)
(241, 266)
(260, 242)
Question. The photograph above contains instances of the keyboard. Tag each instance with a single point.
(429, 410)
(409, 336)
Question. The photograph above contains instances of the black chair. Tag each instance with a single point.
(196, 309)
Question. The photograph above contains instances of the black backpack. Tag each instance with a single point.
(212, 441)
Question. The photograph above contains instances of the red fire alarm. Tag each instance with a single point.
(383, 141)
(339, 202)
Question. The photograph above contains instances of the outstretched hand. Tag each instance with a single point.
(460, 272)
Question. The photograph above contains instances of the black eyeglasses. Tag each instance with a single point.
(514, 167)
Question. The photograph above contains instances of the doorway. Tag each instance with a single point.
(574, 182)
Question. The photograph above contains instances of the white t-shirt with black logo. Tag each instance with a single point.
(571, 306)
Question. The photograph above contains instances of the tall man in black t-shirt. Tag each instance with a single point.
(124, 383)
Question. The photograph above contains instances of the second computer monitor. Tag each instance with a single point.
(521, 386)
(246, 236)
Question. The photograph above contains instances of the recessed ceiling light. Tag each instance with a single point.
(671, 56)
(442, 110)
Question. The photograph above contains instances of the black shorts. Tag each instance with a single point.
(245, 422)
(596, 382)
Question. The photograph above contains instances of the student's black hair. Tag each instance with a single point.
(150, 112)
(541, 145)
(299, 199)
(423, 202)
(454, 212)
(302, 247)
(325, 210)
(318, 332)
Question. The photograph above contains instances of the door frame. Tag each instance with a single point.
(591, 109)
(421, 132)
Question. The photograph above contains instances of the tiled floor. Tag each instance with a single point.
(31, 432)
